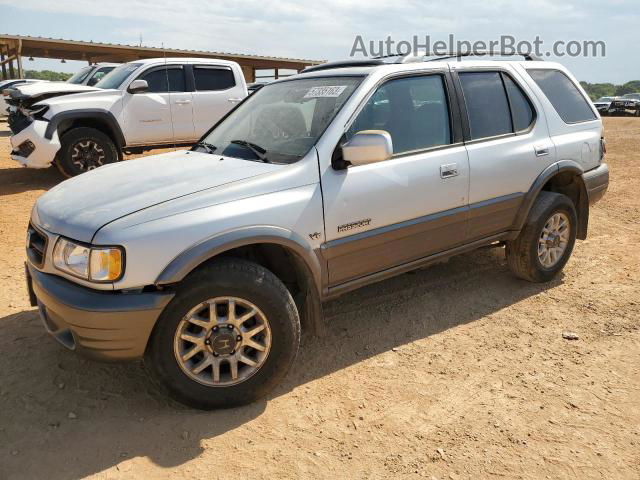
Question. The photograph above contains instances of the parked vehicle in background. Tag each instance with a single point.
(92, 74)
(138, 106)
(208, 262)
(602, 104)
(6, 84)
(626, 105)
(29, 94)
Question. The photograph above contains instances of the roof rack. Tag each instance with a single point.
(368, 62)
(410, 58)
(529, 57)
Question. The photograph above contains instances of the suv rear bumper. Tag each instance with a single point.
(596, 182)
(45, 150)
(110, 326)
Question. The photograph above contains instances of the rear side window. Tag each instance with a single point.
(563, 95)
(208, 78)
(157, 80)
(521, 109)
(487, 104)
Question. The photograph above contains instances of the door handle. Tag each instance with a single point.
(234, 100)
(182, 102)
(449, 170)
(541, 151)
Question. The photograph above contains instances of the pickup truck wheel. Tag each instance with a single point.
(545, 243)
(227, 338)
(83, 149)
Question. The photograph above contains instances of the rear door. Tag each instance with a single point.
(216, 91)
(164, 113)
(508, 143)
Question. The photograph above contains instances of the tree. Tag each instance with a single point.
(629, 87)
(47, 75)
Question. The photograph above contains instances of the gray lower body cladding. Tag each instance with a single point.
(108, 326)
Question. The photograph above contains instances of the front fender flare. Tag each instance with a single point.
(89, 113)
(190, 258)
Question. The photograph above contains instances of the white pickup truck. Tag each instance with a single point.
(138, 106)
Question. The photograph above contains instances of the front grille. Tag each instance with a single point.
(18, 121)
(36, 246)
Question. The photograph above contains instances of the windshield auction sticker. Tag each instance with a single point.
(325, 92)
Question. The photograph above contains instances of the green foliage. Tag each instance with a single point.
(47, 75)
(597, 90)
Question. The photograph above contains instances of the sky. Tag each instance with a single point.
(327, 30)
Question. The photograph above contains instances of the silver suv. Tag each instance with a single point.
(207, 262)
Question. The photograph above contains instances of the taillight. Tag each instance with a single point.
(603, 148)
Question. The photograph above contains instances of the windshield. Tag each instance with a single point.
(635, 96)
(79, 77)
(282, 121)
(118, 75)
(604, 99)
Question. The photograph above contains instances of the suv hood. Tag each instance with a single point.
(28, 94)
(77, 208)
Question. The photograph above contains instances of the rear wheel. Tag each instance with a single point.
(227, 338)
(83, 149)
(545, 243)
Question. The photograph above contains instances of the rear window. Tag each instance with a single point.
(563, 95)
(208, 78)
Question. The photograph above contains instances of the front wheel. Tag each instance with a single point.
(545, 243)
(83, 149)
(227, 338)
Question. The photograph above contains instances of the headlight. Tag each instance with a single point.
(96, 264)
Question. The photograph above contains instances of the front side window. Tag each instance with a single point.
(118, 75)
(165, 80)
(210, 79)
(563, 95)
(281, 121)
(80, 76)
(98, 75)
(414, 110)
(487, 104)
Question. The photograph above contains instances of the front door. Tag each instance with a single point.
(164, 113)
(389, 213)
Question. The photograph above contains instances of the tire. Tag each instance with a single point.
(523, 253)
(83, 149)
(244, 282)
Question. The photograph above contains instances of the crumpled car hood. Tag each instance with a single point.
(28, 94)
(77, 208)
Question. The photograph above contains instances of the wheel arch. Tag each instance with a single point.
(563, 177)
(99, 119)
(281, 251)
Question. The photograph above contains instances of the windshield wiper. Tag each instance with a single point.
(257, 150)
(207, 146)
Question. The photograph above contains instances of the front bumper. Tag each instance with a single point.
(109, 326)
(596, 182)
(45, 149)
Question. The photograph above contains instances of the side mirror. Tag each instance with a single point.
(138, 86)
(368, 146)
(92, 81)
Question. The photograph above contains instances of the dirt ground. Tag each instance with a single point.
(457, 371)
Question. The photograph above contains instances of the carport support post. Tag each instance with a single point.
(249, 73)
(19, 58)
(4, 67)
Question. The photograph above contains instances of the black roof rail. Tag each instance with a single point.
(530, 57)
(367, 62)
(391, 59)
